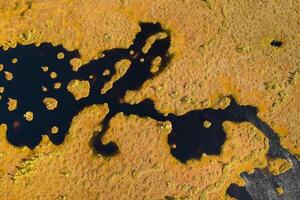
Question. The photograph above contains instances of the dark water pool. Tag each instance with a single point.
(189, 137)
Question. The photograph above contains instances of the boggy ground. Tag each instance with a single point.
(219, 48)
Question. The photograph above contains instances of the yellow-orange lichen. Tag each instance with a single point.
(206, 124)
(28, 116)
(76, 63)
(57, 85)
(60, 55)
(208, 177)
(121, 67)
(80, 89)
(155, 64)
(279, 166)
(216, 52)
(50, 103)
(14, 60)
(8, 75)
(279, 190)
(151, 40)
(12, 104)
(106, 72)
(45, 68)
(53, 75)
(54, 130)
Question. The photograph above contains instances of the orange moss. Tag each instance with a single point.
(216, 50)
(279, 166)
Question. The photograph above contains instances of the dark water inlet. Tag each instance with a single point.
(189, 137)
(239, 192)
(29, 78)
(26, 88)
(188, 134)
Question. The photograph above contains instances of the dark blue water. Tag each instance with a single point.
(189, 137)
(188, 134)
